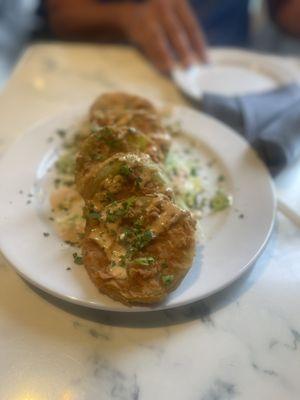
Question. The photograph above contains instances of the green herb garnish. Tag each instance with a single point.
(94, 215)
(109, 197)
(142, 239)
(136, 238)
(113, 216)
(167, 279)
(219, 202)
(144, 260)
(138, 182)
(193, 171)
(122, 261)
(61, 133)
(77, 259)
(96, 157)
(125, 170)
(66, 164)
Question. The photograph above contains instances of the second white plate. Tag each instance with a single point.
(233, 72)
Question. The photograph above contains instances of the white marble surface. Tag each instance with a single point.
(243, 343)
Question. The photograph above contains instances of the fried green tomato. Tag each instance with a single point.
(121, 109)
(119, 102)
(138, 250)
(106, 141)
(122, 176)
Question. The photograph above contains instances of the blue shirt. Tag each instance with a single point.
(225, 22)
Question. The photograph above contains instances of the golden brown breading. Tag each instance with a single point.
(119, 102)
(123, 176)
(121, 109)
(138, 250)
(106, 141)
(138, 244)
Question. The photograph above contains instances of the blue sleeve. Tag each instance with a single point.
(225, 22)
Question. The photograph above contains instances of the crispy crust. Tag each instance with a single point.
(138, 243)
(119, 102)
(106, 141)
(122, 176)
(125, 110)
(172, 250)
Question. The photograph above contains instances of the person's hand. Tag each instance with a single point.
(288, 16)
(166, 31)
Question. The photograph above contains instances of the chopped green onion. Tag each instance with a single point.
(94, 215)
(219, 202)
(167, 279)
(77, 259)
(144, 260)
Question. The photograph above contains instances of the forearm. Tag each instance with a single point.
(286, 14)
(87, 20)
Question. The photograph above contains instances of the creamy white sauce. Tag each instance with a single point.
(197, 177)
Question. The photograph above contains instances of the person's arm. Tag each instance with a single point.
(166, 30)
(286, 14)
(86, 19)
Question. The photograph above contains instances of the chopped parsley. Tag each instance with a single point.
(175, 171)
(142, 239)
(109, 197)
(144, 260)
(121, 211)
(138, 182)
(136, 238)
(106, 135)
(125, 170)
(94, 215)
(219, 202)
(112, 216)
(190, 199)
(193, 171)
(167, 279)
(122, 262)
(66, 164)
(57, 182)
(61, 133)
(77, 259)
(62, 207)
(96, 157)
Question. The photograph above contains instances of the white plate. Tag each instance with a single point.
(231, 249)
(233, 72)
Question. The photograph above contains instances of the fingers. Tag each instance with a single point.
(166, 31)
(176, 35)
(155, 45)
(192, 29)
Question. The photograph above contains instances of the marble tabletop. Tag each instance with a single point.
(243, 343)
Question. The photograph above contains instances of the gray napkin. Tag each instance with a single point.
(270, 122)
